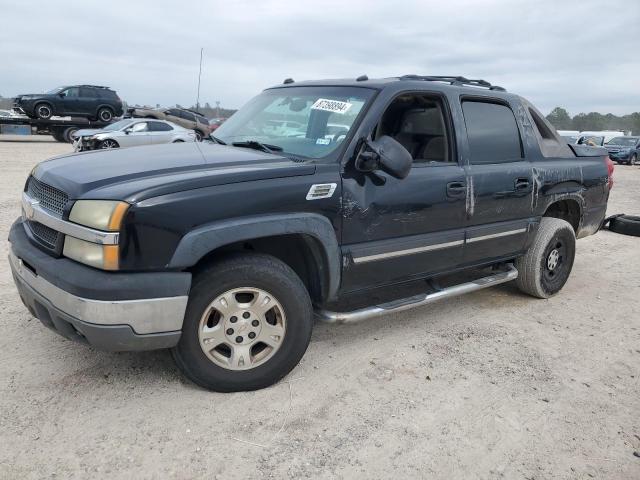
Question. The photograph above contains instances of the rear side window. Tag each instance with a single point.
(159, 127)
(492, 132)
(87, 92)
(188, 116)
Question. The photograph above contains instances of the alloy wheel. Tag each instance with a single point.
(242, 328)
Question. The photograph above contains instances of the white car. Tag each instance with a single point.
(131, 132)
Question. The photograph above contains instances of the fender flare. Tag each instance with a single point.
(206, 238)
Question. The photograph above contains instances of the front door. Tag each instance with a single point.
(138, 134)
(70, 101)
(395, 230)
(500, 178)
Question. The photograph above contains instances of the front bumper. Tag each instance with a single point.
(110, 311)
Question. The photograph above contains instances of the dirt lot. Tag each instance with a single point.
(490, 385)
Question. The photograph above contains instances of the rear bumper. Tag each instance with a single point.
(110, 311)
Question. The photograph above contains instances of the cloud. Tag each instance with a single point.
(577, 54)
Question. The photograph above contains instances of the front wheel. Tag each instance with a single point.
(43, 111)
(545, 268)
(633, 159)
(108, 144)
(248, 323)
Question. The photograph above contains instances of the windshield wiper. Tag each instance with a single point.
(264, 147)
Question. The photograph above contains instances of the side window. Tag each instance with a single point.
(188, 116)
(419, 123)
(87, 92)
(159, 127)
(139, 127)
(492, 132)
(173, 112)
(71, 92)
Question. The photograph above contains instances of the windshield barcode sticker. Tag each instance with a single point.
(334, 106)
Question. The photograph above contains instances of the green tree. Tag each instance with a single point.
(560, 119)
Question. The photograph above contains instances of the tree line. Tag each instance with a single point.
(561, 119)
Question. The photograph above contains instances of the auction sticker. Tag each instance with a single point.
(334, 106)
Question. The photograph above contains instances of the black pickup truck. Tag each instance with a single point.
(315, 199)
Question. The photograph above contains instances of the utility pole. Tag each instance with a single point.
(199, 75)
(217, 108)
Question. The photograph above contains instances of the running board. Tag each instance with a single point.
(417, 300)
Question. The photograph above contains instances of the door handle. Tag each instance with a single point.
(456, 189)
(521, 183)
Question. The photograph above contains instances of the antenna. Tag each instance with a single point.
(199, 75)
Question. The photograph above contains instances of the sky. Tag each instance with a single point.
(582, 55)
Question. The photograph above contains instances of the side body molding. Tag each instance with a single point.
(202, 240)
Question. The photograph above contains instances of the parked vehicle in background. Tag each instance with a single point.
(188, 119)
(214, 123)
(571, 136)
(624, 149)
(131, 133)
(89, 101)
(596, 138)
(222, 250)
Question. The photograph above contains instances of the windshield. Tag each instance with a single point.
(305, 121)
(623, 141)
(117, 125)
(54, 91)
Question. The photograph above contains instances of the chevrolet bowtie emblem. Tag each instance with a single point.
(29, 208)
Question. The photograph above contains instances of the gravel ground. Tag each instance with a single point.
(490, 385)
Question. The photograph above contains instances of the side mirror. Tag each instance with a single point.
(61, 94)
(384, 154)
(127, 130)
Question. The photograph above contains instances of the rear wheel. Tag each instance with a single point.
(105, 114)
(58, 135)
(248, 324)
(43, 111)
(545, 268)
(108, 144)
(199, 135)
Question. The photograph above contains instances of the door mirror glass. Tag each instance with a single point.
(384, 154)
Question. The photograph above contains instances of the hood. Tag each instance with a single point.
(134, 174)
(88, 132)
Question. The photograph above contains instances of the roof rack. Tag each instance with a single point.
(95, 86)
(454, 81)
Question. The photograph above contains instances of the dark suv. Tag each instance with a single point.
(323, 198)
(91, 101)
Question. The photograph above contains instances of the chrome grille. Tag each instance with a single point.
(50, 198)
(48, 236)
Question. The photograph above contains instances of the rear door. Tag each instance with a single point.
(160, 132)
(88, 101)
(500, 181)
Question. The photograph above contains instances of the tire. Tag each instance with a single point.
(108, 144)
(633, 159)
(541, 272)
(43, 110)
(291, 316)
(625, 224)
(66, 134)
(199, 135)
(105, 114)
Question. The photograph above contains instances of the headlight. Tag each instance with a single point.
(99, 214)
(104, 257)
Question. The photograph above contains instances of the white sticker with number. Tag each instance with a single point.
(333, 106)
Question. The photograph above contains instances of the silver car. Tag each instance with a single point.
(131, 132)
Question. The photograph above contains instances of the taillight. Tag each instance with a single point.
(610, 167)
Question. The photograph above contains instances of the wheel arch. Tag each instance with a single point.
(566, 207)
(305, 241)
